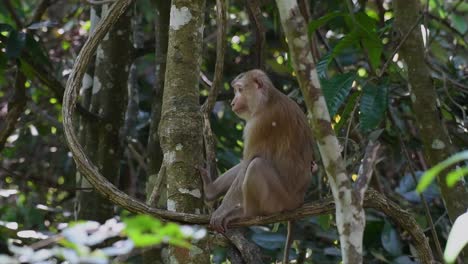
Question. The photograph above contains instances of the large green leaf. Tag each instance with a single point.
(336, 90)
(430, 175)
(323, 20)
(350, 40)
(373, 106)
(322, 66)
(370, 40)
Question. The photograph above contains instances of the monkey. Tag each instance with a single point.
(277, 163)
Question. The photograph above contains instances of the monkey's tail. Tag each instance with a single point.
(288, 243)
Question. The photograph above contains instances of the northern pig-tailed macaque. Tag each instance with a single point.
(275, 171)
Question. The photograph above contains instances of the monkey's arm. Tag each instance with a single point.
(215, 189)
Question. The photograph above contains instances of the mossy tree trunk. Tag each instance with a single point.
(181, 127)
(436, 141)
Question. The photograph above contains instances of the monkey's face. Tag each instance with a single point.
(240, 103)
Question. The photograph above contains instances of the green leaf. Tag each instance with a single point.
(323, 20)
(352, 101)
(367, 28)
(145, 230)
(459, 23)
(350, 40)
(325, 221)
(322, 66)
(336, 90)
(457, 239)
(390, 240)
(454, 176)
(373, 46)
(5, 28)
(430, 175)
(373, 106)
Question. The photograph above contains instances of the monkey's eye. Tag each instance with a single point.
(240, 89)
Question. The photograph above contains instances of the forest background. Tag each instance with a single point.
(392, 72)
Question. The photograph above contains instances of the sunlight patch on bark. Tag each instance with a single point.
(179, 17)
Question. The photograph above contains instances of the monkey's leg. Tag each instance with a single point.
(231, 207)
(263, 191)
(214, 190)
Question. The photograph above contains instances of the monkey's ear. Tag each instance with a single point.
(258, 82)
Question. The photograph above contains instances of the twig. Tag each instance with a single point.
(452, 100)
(446, 24)
(208, 137)
(384, 67)
(14, 15)
(15, 107)
(220, 51)
(40, 10)
(366, 169)
(255, 16)
(351, 117)
(102, 2)
(435, 237)
(154, 196)
(137, 156)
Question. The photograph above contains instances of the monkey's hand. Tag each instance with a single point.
(204, 174)
(218, 221)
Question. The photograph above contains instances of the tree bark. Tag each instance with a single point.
(155, 155)
(109, 100)
(437, 144)
(180, 127)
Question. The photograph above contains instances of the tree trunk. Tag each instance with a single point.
(350, 217)
(181, 126)
(155, 155)
(437, 145)
(109, 99)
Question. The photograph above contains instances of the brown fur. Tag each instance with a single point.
(276, 168)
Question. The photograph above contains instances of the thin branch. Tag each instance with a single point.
(220, 51)
(460, 107)
(445, 23)
(155, 194)
(15, 107)
(208, 136)
(366, 169)
(255, 16)
(40, 10)
(49, 80)
(102, 2)
(427, 211)
(14, 15)
(384, 67)
(137, 156)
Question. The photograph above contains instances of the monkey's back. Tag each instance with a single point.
(281, 135)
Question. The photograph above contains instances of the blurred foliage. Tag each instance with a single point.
(94, 243)
(364, 84)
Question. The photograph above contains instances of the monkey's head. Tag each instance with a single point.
(251, 91)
